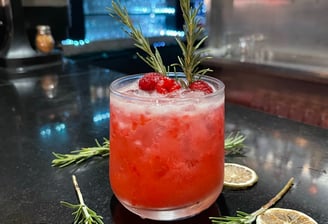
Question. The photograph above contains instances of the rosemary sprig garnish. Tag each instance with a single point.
(79, 156)
(231, 143)
(195, 37)
(153, 59)
(234, 143)
(83, 214)
(245, 218)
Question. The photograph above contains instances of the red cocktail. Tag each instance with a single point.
(167, 151)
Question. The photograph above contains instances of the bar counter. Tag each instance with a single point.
(65, 107)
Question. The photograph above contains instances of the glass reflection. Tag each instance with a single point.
(284, 155)
(10, 109)
(121, 215)
(49, 84)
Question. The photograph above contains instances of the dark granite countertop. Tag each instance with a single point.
(65, 107)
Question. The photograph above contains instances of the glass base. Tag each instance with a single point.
(173, 213)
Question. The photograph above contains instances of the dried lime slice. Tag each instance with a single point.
(237, 176)
(284, 216)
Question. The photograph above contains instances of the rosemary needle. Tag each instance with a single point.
(83, 214)
(79, 156)
(245, 218)
(153, 58)
(233, 144)
(195, 37)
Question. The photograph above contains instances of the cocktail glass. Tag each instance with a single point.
(167, 151)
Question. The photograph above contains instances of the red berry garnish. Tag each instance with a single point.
(149, 80)
(155, 81)
(167, 85)
(200, 85)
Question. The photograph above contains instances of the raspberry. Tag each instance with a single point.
(167, 85)
(149, 80)
(155, 81)
(201, 86)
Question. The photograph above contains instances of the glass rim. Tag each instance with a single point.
(113, 89)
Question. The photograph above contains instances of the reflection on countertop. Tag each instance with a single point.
(250, 50)
(274, 80)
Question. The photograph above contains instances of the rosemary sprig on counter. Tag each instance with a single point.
(79, 156)
(245, 218)
(234, 143)
(83, 214)
(195, 37)
(231, 143)
(153, 59)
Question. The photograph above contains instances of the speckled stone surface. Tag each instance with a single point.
(65, 107)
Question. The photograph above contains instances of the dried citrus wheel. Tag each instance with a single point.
(238, 176)
(284, 216)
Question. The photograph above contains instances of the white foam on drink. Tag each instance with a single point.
(183, 100)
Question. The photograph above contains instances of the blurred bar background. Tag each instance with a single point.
(271, 54)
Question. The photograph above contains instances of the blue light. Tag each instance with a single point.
(75, 42)
(48, 130)
(159, 44)
(67, 42)
(60, 127)
(172, 33)
(101, 117)
(166, 10)
(45, 132)
(140, 9)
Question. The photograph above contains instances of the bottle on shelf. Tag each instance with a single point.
(44, 40)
